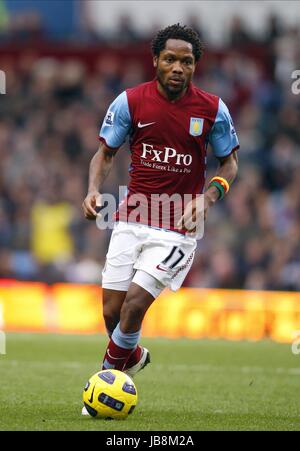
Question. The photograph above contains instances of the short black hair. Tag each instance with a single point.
(177, 31)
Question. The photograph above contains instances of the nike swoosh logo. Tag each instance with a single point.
(145, 125)
(161, 269)
(114, 358)
(92, 395)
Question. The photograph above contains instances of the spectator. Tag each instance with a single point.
(48, 132)
(239, 36)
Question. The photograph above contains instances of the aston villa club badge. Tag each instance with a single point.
(196, 126)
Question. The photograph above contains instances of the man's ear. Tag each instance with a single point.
(155, 60)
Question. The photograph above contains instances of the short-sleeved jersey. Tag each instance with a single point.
(168, 144)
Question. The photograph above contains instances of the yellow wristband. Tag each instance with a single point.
(222, 181)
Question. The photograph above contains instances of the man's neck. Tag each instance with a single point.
(169, 96)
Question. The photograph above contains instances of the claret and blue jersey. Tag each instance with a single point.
(168, 140)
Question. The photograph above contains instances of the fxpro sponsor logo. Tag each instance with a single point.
(2, 82)
(167, 155)
(296, 83)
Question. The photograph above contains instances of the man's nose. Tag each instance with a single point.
(177, 67)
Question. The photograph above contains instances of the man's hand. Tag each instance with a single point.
(92, 200)
(196, 211)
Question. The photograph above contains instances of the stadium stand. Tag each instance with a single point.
(56, 99)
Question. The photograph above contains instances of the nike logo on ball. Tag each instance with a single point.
(145, 125)
(91, 398)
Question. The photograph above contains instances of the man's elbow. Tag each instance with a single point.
(234, 166)
(235, 161)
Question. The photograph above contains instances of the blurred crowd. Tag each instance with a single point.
(49, 124)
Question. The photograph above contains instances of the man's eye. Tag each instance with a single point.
(169, 60)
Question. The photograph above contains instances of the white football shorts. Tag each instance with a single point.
(136, 249)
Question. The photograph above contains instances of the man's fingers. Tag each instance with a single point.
(92, 205)
(89, 211)
(185, 224)
(180, 223)
(191, 220)
(98, 208)
(98, 200)
(190, 224)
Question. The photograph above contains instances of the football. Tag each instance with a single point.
(110, 394)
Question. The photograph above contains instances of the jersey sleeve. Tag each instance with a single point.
(223, 137)
(117, 122)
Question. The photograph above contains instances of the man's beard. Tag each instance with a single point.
(170, 90)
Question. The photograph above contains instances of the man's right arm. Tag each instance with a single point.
(100, 167)
(115, 128)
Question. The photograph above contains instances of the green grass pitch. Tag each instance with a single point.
(190, 385)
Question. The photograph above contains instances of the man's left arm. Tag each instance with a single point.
(227, 170)
(224, 143)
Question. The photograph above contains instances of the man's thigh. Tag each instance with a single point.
(124, 248)
(167, 261)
